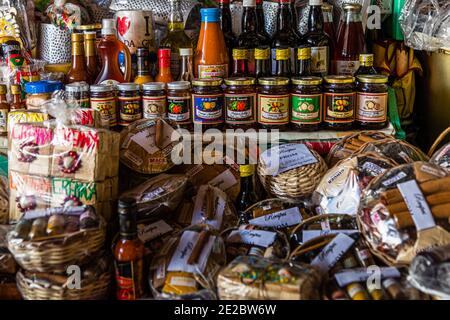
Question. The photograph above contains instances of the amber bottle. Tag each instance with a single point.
(143, 66)
(4, 110)
(79, 71)
(91, 54)
(17, 102)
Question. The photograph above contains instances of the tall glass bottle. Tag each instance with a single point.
(351, 42)
(176, 38)
(226, 24)
(91, 55)
(165, 74)
(240, 62)
(143, 66)
(328, 28)
(365, 65)
(283, 62)
(262, 62)
(78, 71)
(247, 195)
(187, 71)
(128, 254)
(303, 66)
(261, 19)
(317, 40)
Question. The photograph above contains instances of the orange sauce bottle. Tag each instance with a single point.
(164, 75)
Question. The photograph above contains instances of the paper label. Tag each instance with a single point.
(153, 107)
(179, 109)
(208, 109)
(311, 234)
(273, 109)
(224, 181)
(252, 237)
(346, 277)
(319, 59)
(373, 168)
(339, 107)
(153, 231)
(306, 108)
(213, 71)
(371, 107)
(333, 252)
(347, 68)
(417, 205)
(286, 157)
(394, 179)
(280, 219)
(240, 108)
(183, 282)
(200, 215)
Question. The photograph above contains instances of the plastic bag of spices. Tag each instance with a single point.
(405, 211)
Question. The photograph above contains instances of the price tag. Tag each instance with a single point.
(311, 234)
(333, 252)
(279, 219)
(224, 181)
(253, 237)
(348, 276)
(153, 231)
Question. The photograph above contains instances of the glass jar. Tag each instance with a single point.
(103, 99)
(306, 102)
(77, 95)
(130, 109)
(154, 100)
(372, 101)
(340, 101)
(273, 103)
(240, 103)
(207, 103)
(38, 92)
(179, 101)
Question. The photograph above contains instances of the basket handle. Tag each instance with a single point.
(438, 141)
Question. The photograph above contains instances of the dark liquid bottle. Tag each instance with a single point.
(79, 71)
(17, 102)
(317, 40)
(263, 61)
(328, 28)
(240, 62)
(247, 196)
(226, 25)
(303, 65)
(261, 20)
(365, 65)
(283, 62)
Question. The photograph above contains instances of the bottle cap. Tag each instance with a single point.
(249, 3)
(366, 59)
(240, 54)
(186, 52)
(210, 14)
(262, 53)
(108, 26)
(164, 53)
(77, 37)
(179, 85)
(246, 170)
(37, 87)
(16, 89)
(154, 86)
(315, 2)
(304, 53)
(3, 88)
(90, 35)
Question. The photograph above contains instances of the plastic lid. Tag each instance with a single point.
(101, 88)
(154, 86)
(42, 87)
(77, 87)
(315, 2)
(249, 3)
(130, 86)
(210, 14)
(186, 52)
(179, 85)
(108, 26)
(164, 53)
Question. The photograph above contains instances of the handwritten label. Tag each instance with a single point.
(179, 261)
(348, 276)
(253, 237)
(279, 219)
(224, 181)
(311, 234)
(153, 231)
(333, 252)
(200, 215)
(417, 205)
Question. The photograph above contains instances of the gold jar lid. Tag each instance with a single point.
(89, 27)
(304, 53)
(262, 53)
(307, 81)
(274, 81)
(339, 79)
(240, 54)
(282, 54)
(240, 81)
(372, 78)
(351, 7)
(213, 82)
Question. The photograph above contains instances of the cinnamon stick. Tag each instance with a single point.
(198, 248)
(210, 203)
(404, 219)
(159, 133)
(432, 200)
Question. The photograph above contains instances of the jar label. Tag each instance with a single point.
(212, 71)
(273, 109)
(319, 59)
(306, 108)
(339, 107)
(371, 107)
(3, 120)
(179, 109)
(347, 68)
(107, 109)
(130, 109)
(240, 108)
(153, 107)
(208, 108)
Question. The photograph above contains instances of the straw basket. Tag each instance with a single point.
(438, 141)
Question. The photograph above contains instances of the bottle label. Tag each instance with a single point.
(3, 121)
(213, 71)
(175, 64)
(153, 107)
(208, 109)
(306, 108)
(130, 110)
(107, 109)
(347, 68)
(319, 59)
(179, 109)
(129, 279)
(274, 59)
(339, 107)
(273, 109)
(371, 107)
(240, 108)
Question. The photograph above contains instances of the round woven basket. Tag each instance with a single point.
(95, 288)
(294, 184)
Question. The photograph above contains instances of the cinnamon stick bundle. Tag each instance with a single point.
(405, 220)
(432, 200)
(159, 134)
(198, 248)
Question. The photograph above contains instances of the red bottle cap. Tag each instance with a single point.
(224, 1)
(164, 53)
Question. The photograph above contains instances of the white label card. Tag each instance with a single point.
(333, 252)
(311, 234)
(200, 215)
(179, 261)
(224, 181)
(253, 237)
(152, 231)
(347, 276)
(279, 219)
(417, 205)
(285, 157)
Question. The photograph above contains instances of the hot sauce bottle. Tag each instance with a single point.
(79, 71)
(165, 74)
(90, 53)
(17, 102)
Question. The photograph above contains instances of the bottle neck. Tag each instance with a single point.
(128, 225)
(247, 184)
(176, 21)
(240, 66)
(262, 67)
(225, 17)
(143, 66)
(315, 20)
(90, 48)
(284, 19)
(186, 64)
(304, 67)
(77, 49)
(352, 16)
(16, 99)
(164, 66)
(327, 17)
(249, 20)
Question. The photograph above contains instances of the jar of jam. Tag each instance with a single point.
(77, 95)
(273, 103)
(207, 103)
(306, 103)
(179, 101)
(130, 109)
(240, 103)
(372, 101)
(103, 99)
(340, 101)
(154, 100)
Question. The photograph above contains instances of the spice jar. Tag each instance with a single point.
(306, 102)
(340, 100)
(77, 95)
(273, 103)
(240, 101)
(103, 99)
(39, 92)
(207, 103)
(179, 103)
(130, 108)
(154, 100)
(372, 101)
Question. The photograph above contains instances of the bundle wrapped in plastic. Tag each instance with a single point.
(397, 150)
(64, 15)
(442, 157)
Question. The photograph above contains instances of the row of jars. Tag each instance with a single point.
(304, 103)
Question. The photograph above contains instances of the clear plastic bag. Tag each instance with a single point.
(442, 157)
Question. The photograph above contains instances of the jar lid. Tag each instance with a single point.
(45, 86)
(179, 85)
(274, 81)
(339, 79)
(308, 81)
(154, 86)
(372, 78)
(87, 27)
(351, 6)
(128, 86)
(240, 81)
(101, 88)
(77, 87)
(213, 82)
